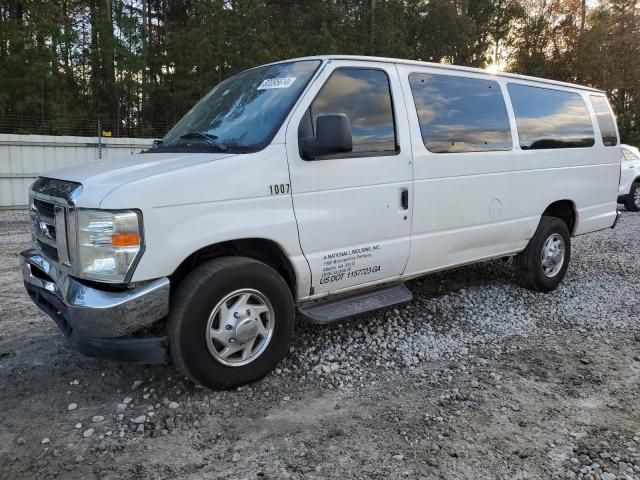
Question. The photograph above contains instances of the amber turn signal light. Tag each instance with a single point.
(125, 240)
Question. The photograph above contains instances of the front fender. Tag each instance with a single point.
(201, 205)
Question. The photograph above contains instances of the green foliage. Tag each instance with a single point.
(139, 65)
(549, 42)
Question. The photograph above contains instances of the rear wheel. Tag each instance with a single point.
(543, 264)
(632, 202)
(231, 322)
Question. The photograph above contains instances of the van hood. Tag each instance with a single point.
(100, 178)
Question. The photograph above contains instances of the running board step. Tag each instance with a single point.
(332, 310)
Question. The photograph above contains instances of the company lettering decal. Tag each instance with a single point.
(347, 264)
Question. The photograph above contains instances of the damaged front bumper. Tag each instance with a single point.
(96, 322)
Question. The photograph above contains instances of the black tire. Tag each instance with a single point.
(528, 263)
(193, 303)
(630, 200)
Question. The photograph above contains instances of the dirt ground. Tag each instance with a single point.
(557, 397)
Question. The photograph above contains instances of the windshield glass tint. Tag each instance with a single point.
(245, 110)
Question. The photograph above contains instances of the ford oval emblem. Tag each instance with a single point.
(41, 227)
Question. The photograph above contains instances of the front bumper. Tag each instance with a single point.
(99, 323)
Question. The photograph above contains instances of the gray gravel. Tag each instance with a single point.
(476, 378)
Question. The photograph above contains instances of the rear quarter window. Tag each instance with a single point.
(606, 122)
(548, 118)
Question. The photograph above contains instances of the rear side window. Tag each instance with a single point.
(629, 156)
(605, 120)
(549, 118)
(458, 114)
(364, 96)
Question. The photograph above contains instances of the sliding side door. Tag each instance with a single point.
(462, 167)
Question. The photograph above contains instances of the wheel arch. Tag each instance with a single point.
(261, 249)
(566, 211)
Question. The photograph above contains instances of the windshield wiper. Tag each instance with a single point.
(207, 137)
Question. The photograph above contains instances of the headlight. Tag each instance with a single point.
(108, 244)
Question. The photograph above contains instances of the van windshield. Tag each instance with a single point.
(242, 113)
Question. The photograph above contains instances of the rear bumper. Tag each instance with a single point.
(99, 323)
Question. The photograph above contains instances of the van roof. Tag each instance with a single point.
(442, 66)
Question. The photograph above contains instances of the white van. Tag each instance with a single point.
(316, 186)
(629, 191)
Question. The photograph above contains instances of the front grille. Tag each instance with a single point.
(46, 209)
(44, 227)
(47, 213)
(48, 250)
(52, 201)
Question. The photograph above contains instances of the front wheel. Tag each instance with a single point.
(231, 322)
(632, 202)
(542, 265)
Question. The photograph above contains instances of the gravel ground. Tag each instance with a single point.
(476, 378)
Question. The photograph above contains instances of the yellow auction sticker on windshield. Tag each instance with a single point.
(282, 82)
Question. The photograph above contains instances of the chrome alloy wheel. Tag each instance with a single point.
(240, 327)
(553, 252)
(636, 197)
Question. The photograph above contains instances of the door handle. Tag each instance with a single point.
(404, 198)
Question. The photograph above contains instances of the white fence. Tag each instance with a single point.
(24, 157)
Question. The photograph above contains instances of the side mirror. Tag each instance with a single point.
(333, 135)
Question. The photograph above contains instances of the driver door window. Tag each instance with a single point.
(364, 96)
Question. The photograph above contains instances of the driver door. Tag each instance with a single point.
(354, 209)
